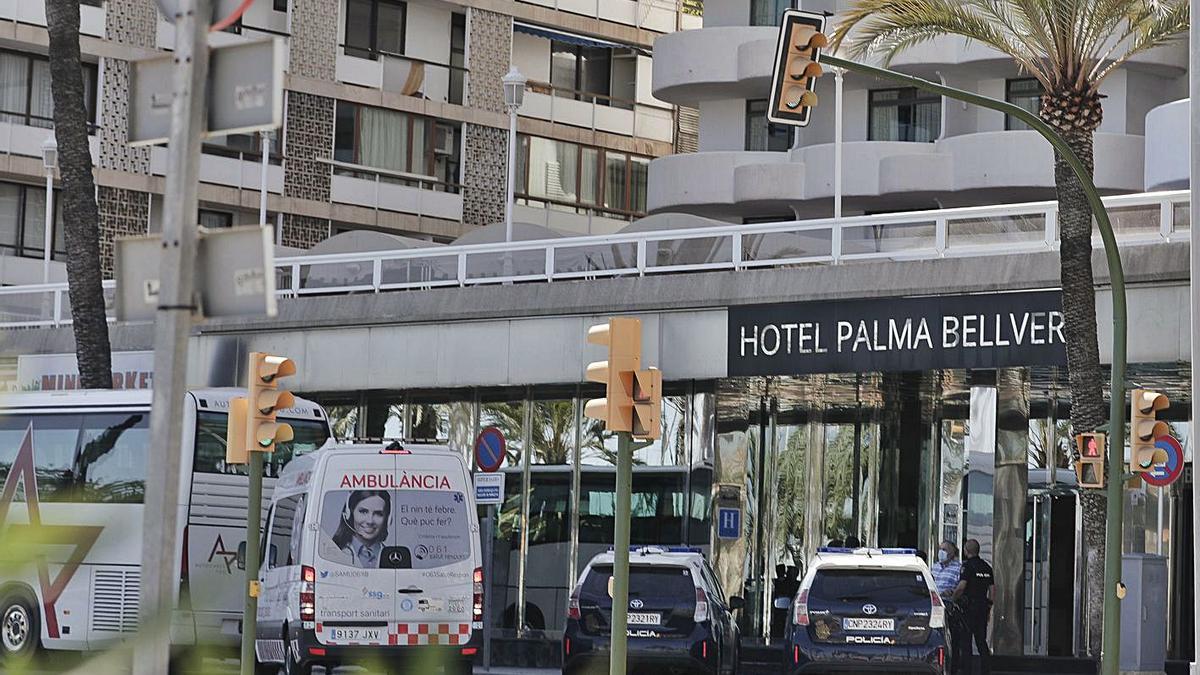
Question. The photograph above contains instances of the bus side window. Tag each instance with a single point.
(111, 464)
(12, 434)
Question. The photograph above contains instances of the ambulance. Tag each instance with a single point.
(371, 555)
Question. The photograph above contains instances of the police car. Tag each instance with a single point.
(679, 619)
(867, 610)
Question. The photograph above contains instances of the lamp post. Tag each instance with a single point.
(514, 96)
(50, 162)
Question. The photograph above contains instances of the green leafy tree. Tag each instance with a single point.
(1070, 46)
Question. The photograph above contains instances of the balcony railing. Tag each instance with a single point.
(1138, 219)
(403, 74)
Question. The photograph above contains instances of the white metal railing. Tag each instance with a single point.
(1138, 219)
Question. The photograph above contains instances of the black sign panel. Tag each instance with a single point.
(892, 334)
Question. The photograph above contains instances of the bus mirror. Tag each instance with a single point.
(736, 602)
(241, 556)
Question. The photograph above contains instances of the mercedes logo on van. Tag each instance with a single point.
(636, 604)
(395, 557)
(870, 609)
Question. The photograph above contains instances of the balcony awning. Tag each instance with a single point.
(564, 36)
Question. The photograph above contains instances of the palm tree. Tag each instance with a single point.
(1070, 46)
(80, 215)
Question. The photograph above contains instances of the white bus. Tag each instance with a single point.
(73, 467)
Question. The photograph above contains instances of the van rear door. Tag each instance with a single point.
(355, 592)
(434, 549)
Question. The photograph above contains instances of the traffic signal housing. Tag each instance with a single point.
(265, 399)
(797, 67)
(623, 337)
(1089, 468)
(1144, 429)
(647, 404)
(236, 451)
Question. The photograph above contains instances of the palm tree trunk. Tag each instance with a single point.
(80, 216)
(1088, 409)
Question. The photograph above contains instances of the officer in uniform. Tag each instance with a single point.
(974, 591)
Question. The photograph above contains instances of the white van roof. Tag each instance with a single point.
(302, 467)
(212, 398)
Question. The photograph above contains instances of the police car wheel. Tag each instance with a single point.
(19, 628)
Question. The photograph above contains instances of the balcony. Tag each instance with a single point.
(659, 16)
(400, 74)
(395, 191)
(1166, 147)
(91, 15)
(598, 112)
(714, 63)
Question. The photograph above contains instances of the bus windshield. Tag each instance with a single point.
(210, 444)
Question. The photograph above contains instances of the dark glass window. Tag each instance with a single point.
(587, 73)
(1025, 92)
(458, 57)
(214, 219)
(396, 141)
(25, 96)
(287, 517)
(654, 585)
(905, 114)
(280, 5)
(211, 439)
(374, 27)
(879, 586)
(768, 12)
(576, 176)
(23, 221)
(761, 134)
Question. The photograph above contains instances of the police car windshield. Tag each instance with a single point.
(655, 585)
(853, 585)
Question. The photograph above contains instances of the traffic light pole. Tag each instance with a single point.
(620, 574)
(172, 327)
(1111, 643)
(253, 527)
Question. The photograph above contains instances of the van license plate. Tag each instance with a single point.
(869, 624)
(644, 618)
(356, 634)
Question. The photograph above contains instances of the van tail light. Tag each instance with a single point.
(573, 611)
(308, 593)
(795, 653)
(937, 614)
(477, 595)
(941, 656)
(704, 649)
(701, 606)
(800, 616)
(567, 646)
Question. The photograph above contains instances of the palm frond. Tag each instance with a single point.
(1166, 25)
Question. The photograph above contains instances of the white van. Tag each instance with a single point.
(371, 553)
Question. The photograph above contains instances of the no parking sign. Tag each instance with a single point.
(1162, 475)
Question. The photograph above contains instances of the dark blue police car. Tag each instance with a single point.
(867, 610)
(679, 620)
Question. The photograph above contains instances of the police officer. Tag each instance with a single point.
(974, 591)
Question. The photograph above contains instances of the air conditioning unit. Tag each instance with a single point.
(444, 137)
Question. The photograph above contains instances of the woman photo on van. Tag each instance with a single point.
(362, 529)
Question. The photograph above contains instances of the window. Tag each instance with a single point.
(762, 135)
(570, 175)
(374, 27)
(236, 145)
(280, 5)
(396, 141)
(1025, 92)
(905, 114)
(210, 444)
(287, 519)
(214, 220)
(458, 57)
(23, 221)
(600, 75)
(768, 12)
(95, 458)
(25, 90)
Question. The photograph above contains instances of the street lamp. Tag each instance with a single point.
(50, 162)
(514, 96)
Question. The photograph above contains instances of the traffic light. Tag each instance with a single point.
(236, 451)
(265, 399)
(647, 404)
(623, 337)
(801, 38)
(1089, 469)
(1145, 429)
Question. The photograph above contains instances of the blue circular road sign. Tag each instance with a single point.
(489, 450)
(1162, 475)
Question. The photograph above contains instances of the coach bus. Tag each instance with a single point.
(73, 466)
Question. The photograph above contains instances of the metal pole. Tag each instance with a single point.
(1194, 284)
(1111, 643)
(253, 527)
(620, 594)
(839, 109)
(173, 325)
(48, 235)
(510, 195)
(262, 178)
(489, 534)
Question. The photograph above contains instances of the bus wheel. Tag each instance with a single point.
(19, 629)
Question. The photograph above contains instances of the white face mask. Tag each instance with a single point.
(943, 556)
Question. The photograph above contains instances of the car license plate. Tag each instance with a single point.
(869, 624)
(644, 618)
(356, 634)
